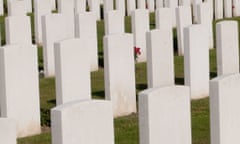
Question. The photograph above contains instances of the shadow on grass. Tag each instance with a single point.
(98, 94)
(175, 45)
(52, 101)
(141, 87)
(179, 81)
(213, 74)
(100, 59)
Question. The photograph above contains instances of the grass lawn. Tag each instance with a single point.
(126, 128)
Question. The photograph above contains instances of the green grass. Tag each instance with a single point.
(126, 128)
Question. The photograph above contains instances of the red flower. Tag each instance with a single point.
(137, 50)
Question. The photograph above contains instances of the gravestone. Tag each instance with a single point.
(41, 8)
(224, 109)
(17, 8)
(184, 19)
(141, 4)
(204, 16)
(114, 22)
(160, 59)
(55, 28)
(7, 131)
(184, 2)
(194, 10)
(218, 9)
(227, 4)
(1, 8)
(83, 122)
(151, 5)
(18, 30)
(53, 3)
(196, 61)
(131, 6)
(28, 5)
(119, 73)
(80, 6)
(86, 28)
(140, 25)
(159, 4)
(67, 8)
(173, 4)
(19, 88)
(163, 18)
(72, 67)
(227, 47)
(94, 6)
(236, 8)
(120, 6)
(164, 115)
(107, 5)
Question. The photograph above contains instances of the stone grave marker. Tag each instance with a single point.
(196, 61)
(224, 111)
(119, 73)
(160, 59)
(19, 88)
(164, 115)
(83, 122)
(72, 67)
(140, 25)
(227, 47)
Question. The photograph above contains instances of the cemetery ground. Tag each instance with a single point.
(126, 128)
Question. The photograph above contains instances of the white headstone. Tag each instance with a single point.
(67, 9)
(164, 115)
(218, 9)
(140, 25)
(227, 47)
(160, 60)
(83, 122)
(18, 30)
(163, 18)
(7, 131)
(131, 6)
(114, 22)
(1, 8)
(94, 6)
(224, 109)
(86, 28)
(227, 8)
(72, 67)
(141, 4)
(119, 73)
(196, 61)
(19, 88)
(204, 16)
(184, 2)
(53, 3)
(107, 5)
(173, 4)
(28, 5)
(159, 4)
(194, 10)
(80, 6)
(184, 19)
(55, 28)
(236, 8)
(17, 8)
(151, 5)
(120, 5)
(41, 8)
